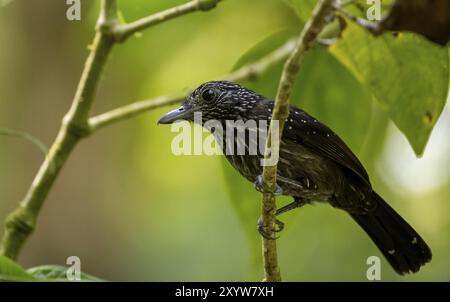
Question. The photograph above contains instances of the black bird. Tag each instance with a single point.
(314, 165)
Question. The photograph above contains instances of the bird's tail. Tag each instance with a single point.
(403, 248)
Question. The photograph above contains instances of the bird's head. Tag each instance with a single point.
(217, 100)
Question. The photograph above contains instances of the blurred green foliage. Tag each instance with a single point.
(131, 210)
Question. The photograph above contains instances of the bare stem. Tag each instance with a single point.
(306, 41)
(131, 110)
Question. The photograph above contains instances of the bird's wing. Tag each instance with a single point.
(306, 130)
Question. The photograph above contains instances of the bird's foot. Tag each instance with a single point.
(297, 203)
(261, 187)
(265, 233)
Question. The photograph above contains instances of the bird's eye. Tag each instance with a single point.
(208, 95)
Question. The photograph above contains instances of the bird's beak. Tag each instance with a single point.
(182, 113)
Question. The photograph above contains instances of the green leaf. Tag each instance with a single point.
(325, 89)
(407, 75)
(56, 273)
(11, 271)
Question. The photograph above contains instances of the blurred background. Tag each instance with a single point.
(131, 210)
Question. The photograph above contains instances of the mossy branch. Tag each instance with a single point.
(306, 41)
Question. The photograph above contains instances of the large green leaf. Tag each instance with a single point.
(11, 271)
(388, 65)
(325, 89)
(407, 75)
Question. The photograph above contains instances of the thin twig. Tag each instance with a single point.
(131, 110)
(26, 136)
(122, 32)
(306, 41)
